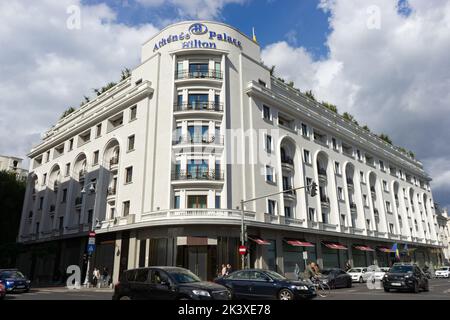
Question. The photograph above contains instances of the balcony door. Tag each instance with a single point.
(197, 169)
(197, 202)
(198, 70)
(198, 101)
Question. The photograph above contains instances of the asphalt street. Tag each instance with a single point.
(439, 290)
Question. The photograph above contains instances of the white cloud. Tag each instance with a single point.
(199, 9)
(394, 78)
(46, 67)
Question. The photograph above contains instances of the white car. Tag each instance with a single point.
(375, 273)
(443, 272)
(358, 274)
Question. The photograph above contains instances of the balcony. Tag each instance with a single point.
(287, 163)
(199, 140)
(111, 194)
(81, 175)
(200, 106)
(350, 183)
(322, 175)
(325, 202)
(78, 202)
(114, 163)
(200, 74)
(353, 207)
(200, 214)
(55, 186)
(198, 174)
(288, 193)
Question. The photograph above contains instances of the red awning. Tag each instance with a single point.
(385, 250)
(297, 243)
(335, 246)
(260, 241)
(364, 248)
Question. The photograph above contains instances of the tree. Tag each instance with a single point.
(385, 138)
(67, 112)
(330, 107)
(365, 127)
(272, 70)
(310, 95)
(126, 73)
(411, 154)
(291, 84)
(12, 192)
(347, 116)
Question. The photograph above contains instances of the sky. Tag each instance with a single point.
(384, 61)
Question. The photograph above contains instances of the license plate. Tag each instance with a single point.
(396, 284)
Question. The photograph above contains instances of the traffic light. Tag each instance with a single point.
(313, 189)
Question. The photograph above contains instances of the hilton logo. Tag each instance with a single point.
(198, 29)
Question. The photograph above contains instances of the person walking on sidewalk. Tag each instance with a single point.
(96, 277)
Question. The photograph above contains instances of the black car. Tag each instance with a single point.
(405, 276)
(263, 284)
(14, 281)
(336, 278)
(166, 283)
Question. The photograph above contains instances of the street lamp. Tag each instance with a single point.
(312, 190)
(92, 190)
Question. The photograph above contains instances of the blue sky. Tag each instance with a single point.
(300, 23)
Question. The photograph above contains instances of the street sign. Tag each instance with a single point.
(91, 241)
(92, 234)
(90, 248)
(242, 250)
(305, 255)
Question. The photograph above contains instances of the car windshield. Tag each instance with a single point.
(444, 269)
(275, 275)
(353, 270)
(401, 269)
(184, 276)
(12, 275)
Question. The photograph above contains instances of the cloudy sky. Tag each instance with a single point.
(384, 61)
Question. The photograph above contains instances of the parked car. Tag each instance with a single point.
(14, 280)
(2, 291)
(442, 272)
(336, 278)
(405, 276)
(166, 283)
(261, 284)
(375, 273)
(359, 274)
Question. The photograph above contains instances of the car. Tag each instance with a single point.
(14, 281)
(2, 291)
(442, 272)
(259, 284)
(359, 274)
(166, 283)
(336, 278)
(375, 273)
(405, 276)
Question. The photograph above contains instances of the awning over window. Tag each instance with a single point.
(385, 250)
(298, 243)
(259, 241)
(336, 246)
(364, 248)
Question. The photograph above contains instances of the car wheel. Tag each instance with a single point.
(125, 298)
(361, 280)
(285, 294)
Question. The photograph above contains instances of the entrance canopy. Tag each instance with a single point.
(335, 246)
(364, 248)
(385, 250)
(259, 241)
(298, 243)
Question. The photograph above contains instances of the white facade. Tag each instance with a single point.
(211, 127)
(13, 164)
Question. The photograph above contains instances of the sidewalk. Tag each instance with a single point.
(66, 289)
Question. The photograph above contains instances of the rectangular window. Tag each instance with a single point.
(340, 194)
(385, 186)
(269, 174)
(131, 143)
(337, 167)
(358, 154)
(266, 113)
(90, 216)
(48, 155)
(179, 101)
(197, 202)
(288, 212)
(391, 227)
(311, 214)
(41, 203)
(70, 144)
(67, 169)
(306, 156)
(304, 130)
(64, 196)
(334, 142)
(112, 213)
(268, 144)
(96, 154)
(176, 202)
(99, 130)
(366, 200)
(361, 175)
(271, 207)
(126, 208)
(129, 175)
(218, 200)
(308, 183)
(133, 113)
(44, 180)
(388, 206)
(381, 165)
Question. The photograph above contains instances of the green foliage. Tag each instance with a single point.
(125, 73)
(330, 107)
(310, 95)
(348, 117)
(365, 127)
(385, 138)
(67, 112)
(272, 70)
(411, 154)
(12, 193)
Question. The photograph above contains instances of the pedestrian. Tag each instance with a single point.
(223, 271)
(105, 277)
(348, 266)
(310, 273)
(228, 269)
(315, 268)
(95, 277)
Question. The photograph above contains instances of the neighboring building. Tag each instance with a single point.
(170, 153)
(444, 234)
(13, 164)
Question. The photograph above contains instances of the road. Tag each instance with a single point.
(439, 290)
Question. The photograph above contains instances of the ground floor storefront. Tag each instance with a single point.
(203, 249)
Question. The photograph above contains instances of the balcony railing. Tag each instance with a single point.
(200, 74)
(78, 201)
(112, 191)
(287, 160)
(198, 106)
(82, 174)
(198, 174)
(200, 139)
(353, 206)
(350, 182)
(113, 162)
(322, 172)
(372, 189)
(325, 200)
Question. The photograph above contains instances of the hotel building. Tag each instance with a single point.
(159, 164)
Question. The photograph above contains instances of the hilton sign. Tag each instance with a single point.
(197, 29)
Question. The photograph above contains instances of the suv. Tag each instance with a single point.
(405, 276)
(442, 272)
(166, 283)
